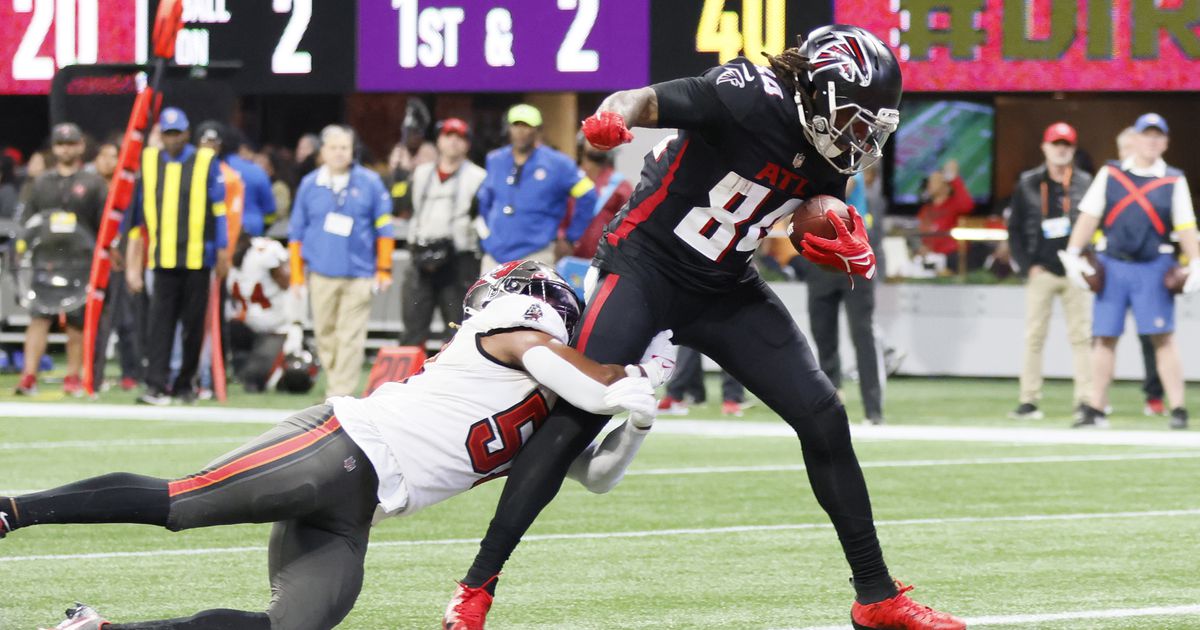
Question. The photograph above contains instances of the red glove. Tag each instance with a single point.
(606, 130)
(851, 250)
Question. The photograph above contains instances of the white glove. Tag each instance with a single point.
(294, 343)
(636, 395)
(1076, 268)
(659, 360)
(1192, 284)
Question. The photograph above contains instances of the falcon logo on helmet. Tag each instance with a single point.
(844, 53)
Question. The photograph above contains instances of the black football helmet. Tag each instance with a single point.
(525, 277)
(848, 97)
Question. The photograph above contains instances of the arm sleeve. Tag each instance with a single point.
(1016, 229)
(601, 467)
(133, 215)
(583, 191)
(298, 217)
(381, 212)
(1183, 215)
(484, 197)
(963, 203)
(564, 379)
(1093, 200)
(691, 103)
(266, 199)
(216, 183)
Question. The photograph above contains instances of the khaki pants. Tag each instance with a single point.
(545, 255)
(340, 308)
(1039, 304)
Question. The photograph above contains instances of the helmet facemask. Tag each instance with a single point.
(530, 278)
(848, 136)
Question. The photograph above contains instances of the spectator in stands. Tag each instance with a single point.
(445, 251)
(270, 161)
(828, 291)
(39, 162)
(258, 209)
(414, 149)
(612, 191)
(411, 151)
(180, 208)
(105, 162)
(341, 228)
(8, 187)
(688, 383)
(308, 154)
(948, 199)
(523, 203)
(1045, 203)
(1141, 200)
(65, 189)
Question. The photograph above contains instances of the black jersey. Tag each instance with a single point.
(709, 195)
(81, 193)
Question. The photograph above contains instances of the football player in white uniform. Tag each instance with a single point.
(322, 474)
(264, 317)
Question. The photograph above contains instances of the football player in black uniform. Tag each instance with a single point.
(753, 144)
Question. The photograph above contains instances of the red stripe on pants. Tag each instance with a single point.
(597, 305)
(258, 458)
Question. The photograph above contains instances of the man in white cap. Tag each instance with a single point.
(1138, 203)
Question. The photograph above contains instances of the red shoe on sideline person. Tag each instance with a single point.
(73, 386)
(28, 385)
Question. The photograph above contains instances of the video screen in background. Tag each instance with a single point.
(933, 132)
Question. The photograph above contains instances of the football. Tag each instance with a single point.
(810, 218)
(1175, 278)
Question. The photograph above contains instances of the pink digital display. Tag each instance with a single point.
(1036, 45)
(37, 37)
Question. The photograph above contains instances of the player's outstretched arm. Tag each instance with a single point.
(568, 373)
(638, 108)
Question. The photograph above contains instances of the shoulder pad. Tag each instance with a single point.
(749, 91)
(519, 311)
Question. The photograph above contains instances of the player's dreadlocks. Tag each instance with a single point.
(788, 66)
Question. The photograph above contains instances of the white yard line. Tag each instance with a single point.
(653, 533)
(20, 446)
(1016, 620)
(669, 426)
(920, 463)
(697, 470)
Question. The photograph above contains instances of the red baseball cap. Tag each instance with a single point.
(456, 126)
(1060, 131)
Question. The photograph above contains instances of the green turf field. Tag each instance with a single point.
(705, 532)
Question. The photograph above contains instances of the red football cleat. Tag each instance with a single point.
(73, 386)
(901, 613)
(469, 607)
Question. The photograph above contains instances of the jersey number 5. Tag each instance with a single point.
(493, 442)
(732, 220)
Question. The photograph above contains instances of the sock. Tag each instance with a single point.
(112, 498)
(218, 619)
(873, 589)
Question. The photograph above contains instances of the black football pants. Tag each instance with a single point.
(305, 475)
(827, 292)
(749, 332)
(178, 295)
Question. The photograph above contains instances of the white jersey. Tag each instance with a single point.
(460, 420)
(254, 296)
